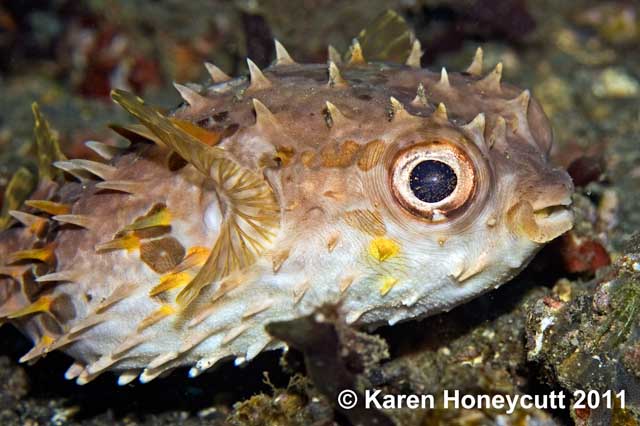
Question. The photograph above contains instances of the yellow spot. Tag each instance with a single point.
(41, 305)
(160, 217)
(44, 254)
(205, 136)
(339, 155)
(387, 284)
(157, 315)
(307, 158)
(171, 281)
(46, 341)
(129, 242)
(382, 248)
(49, 207)
(284, 154)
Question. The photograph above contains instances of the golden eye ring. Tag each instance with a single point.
(433, 179)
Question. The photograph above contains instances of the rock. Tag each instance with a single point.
(615, 83)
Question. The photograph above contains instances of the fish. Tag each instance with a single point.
(387, 190)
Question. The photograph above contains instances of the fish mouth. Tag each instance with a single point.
(541, 224)
(558, 216)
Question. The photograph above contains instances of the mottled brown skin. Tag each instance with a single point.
(308, 154)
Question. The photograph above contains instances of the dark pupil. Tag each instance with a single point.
(432, 181)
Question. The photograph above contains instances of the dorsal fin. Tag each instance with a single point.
(47, 147)
(17, 191)
(388, 38)
(356, 57)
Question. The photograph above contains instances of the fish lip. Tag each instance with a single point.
(554, 215)
(561, 203)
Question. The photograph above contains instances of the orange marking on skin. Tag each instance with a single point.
(370, 155)
(49, 207)
(156, 316)
(128, 242)
(45, 254)
(307, 158)
(171, 281)
(205, 136)
(159, 216)
(196, 256)
(42, 304)
(339, 156)
(284, 154)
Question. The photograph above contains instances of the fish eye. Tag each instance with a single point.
(432, 179)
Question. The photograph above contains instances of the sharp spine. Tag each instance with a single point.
(74, 371)
(258, 80)
(105, 151)
(444, 78)
(300, 290)
(278, 260)
(128, 186)
(492, 80)
(398, 110)
(162, 359)
(282, 56)
(499, 131)
(334, 55)
(216, 74)
(101, 170)
(337, 118)
(45, 254)
(49, 207)
(42, 304)
(75, 219)
(335, 78)
(190, 96)
(523, 100)
(127, 377)
(441, 112)
(234, 333)
(477, 64)
(355, 53)
(476, 128)
(421, 97)
(67, 166)
(68, 275)
(256, 308)
(26, 219)
(416, 54)
(264, 117)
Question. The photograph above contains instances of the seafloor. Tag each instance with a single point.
(570, 321)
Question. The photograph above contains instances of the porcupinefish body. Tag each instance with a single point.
(389, 191)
